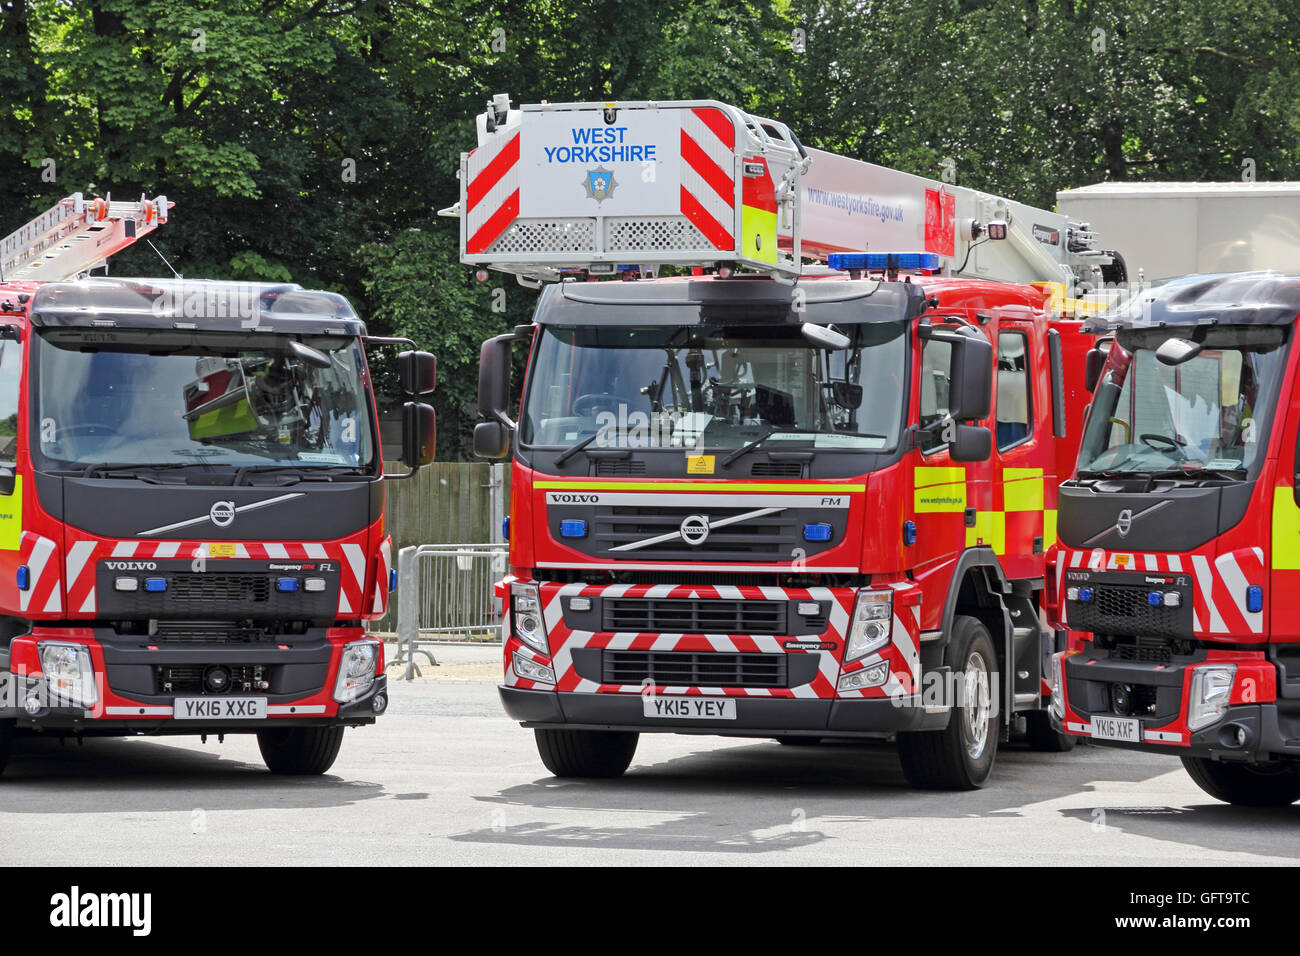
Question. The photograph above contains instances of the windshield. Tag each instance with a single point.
(165, 398)
(1207, 415)
(716, 386)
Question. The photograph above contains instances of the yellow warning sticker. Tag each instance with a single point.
(11, 517)
(220, 549)
(699, 465)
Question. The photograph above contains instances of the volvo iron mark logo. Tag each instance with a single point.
(695, 529)
(222, 513)
(1124, 522)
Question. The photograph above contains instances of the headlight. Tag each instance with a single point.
(526, 616)
(872, 676)
(1207, 699)
(69, 673)
(873, 614)
(531, 670)
(356, 670)
(1058, 685)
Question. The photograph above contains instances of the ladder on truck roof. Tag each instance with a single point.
(603, 188)
(75, 235)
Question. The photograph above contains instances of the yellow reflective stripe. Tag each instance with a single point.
(990, 530)
(11, 517)
(938, 489)
(1049, 528)
(1022, 489)
(668, 487)
(1286, 530)
(758, 224)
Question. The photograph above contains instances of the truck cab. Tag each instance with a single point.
(1180, 536)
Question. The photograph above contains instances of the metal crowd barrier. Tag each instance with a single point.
(445, 596)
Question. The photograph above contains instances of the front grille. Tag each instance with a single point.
(753, 539)
(693, 616)
(1123, 609)
(204, 589)
(207, 632)
(1143, 650)
(673, 668)
(188, 678)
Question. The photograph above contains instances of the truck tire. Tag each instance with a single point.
(586, 753)
(300, 751)
(6, 742)
(959, 757)
(1043, 738)
(1244, 784)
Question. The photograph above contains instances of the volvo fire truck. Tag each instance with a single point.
(1180, 536)
(764, 497)
(191, 499)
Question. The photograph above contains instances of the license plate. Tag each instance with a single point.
(1127, 729)
(219, 708)
(691, 708)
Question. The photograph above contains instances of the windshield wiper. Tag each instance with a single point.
(572, 450)
(298, 471)
(113, 469)
(745, 449)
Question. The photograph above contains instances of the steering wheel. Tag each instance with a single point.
(1151, 440)
(595, 400)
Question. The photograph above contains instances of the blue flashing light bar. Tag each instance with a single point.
(573, 528)
(155, 584)
(816, 532)
(882, 261)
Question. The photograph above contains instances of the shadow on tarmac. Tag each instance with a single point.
(761, 797)
(138, 774)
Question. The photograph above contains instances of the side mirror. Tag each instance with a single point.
(6, 480)
(417, 372)
(491, 439)
(971, 378)
(1093, 364)
(971, 443)
(1176, 351)
(494, 376)
(419, 434)
(309, 356)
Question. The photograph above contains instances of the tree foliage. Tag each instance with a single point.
(313, 140)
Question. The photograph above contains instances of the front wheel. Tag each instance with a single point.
(301, 751)
(1245, 784)
(1043, 737)
(586, 753)
(959, 757)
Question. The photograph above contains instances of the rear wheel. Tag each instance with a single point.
(300, 751)
(959, 757)
(1043, 736)
(1245, 784)
(586, 753)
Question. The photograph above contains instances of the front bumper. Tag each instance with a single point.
(1250, 729)
(755, 716)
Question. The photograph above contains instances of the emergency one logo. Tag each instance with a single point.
(222, 513)
(600, 184)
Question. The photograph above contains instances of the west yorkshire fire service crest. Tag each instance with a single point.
(600, 184)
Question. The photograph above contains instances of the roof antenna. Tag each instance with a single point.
(164, 259)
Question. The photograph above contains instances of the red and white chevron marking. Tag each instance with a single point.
(1219, 602)
(708, 174)
(902, 653)
(44, 592)
(83, 557)
(492, 196)
(383, 562)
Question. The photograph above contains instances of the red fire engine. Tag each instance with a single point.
(1180, 536)
(766, 499)
(191, 499)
